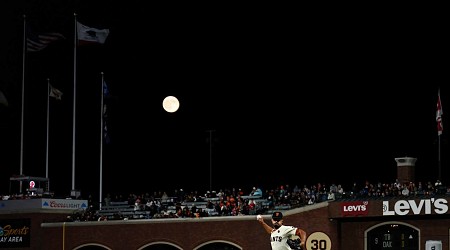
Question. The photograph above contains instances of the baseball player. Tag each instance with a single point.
(281, 235)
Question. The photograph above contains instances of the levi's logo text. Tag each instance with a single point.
(355, 208)
(413, 207)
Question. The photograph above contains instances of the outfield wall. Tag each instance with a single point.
(384, 223)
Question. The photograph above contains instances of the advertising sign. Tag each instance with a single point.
(15, 233)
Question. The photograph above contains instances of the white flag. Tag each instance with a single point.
(91, 35)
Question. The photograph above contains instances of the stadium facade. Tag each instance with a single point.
(420, 222)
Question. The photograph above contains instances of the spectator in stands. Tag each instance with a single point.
(164, 197)
(186, 212)
(354, 190)
(220, 194)
(181, 195)
(251, 207)
(179, 213)
(107, 199)
(340, 191)
(420, 190)
(256, 192)
(193, 209)
(430, 188)
(102, 218)
(405, 190)
(281, 192)
(137, 203)
(333, 188)
(210, 205)
(331, 195)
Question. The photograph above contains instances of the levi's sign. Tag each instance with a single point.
(355, 208)
(415, 207)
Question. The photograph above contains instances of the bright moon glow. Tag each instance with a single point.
(171, 104)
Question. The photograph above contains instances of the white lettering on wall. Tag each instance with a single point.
(352, 208)
(425, 206)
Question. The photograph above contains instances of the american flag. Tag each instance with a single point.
(38, 42)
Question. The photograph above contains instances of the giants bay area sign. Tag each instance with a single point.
(415, 207)
(15, 233)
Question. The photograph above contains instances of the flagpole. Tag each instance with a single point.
(210, 158)
(439, 114)
(101, 140)
(23, 98)
(74, 99)
(439, 158)
(439, 135)
(48, 122)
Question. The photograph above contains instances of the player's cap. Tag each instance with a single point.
(277, 216)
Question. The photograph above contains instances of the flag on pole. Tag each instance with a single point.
(105, 90)
(38, 42)
(105, 114)
(88, 35)
(56, 93)
(439, 114)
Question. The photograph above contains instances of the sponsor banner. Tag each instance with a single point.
(64, 204)
(415, 207)
(355, 208)
(36, 204)
(15, 233)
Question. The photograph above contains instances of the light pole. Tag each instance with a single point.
(210, 159)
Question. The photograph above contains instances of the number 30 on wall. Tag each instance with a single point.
(318, 241)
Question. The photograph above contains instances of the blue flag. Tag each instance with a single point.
(105, 90)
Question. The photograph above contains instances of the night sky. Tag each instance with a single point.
(267, 98)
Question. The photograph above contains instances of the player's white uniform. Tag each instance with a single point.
(279, 237)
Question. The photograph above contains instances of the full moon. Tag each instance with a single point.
(171, 104)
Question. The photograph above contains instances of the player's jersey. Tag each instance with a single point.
(279, 237)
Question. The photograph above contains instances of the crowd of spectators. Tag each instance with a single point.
(236, 201)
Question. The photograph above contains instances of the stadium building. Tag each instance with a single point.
(419, 222)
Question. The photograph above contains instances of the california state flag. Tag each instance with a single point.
(91, 35)
(439, 114)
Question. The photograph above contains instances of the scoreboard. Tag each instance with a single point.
(393, 236)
